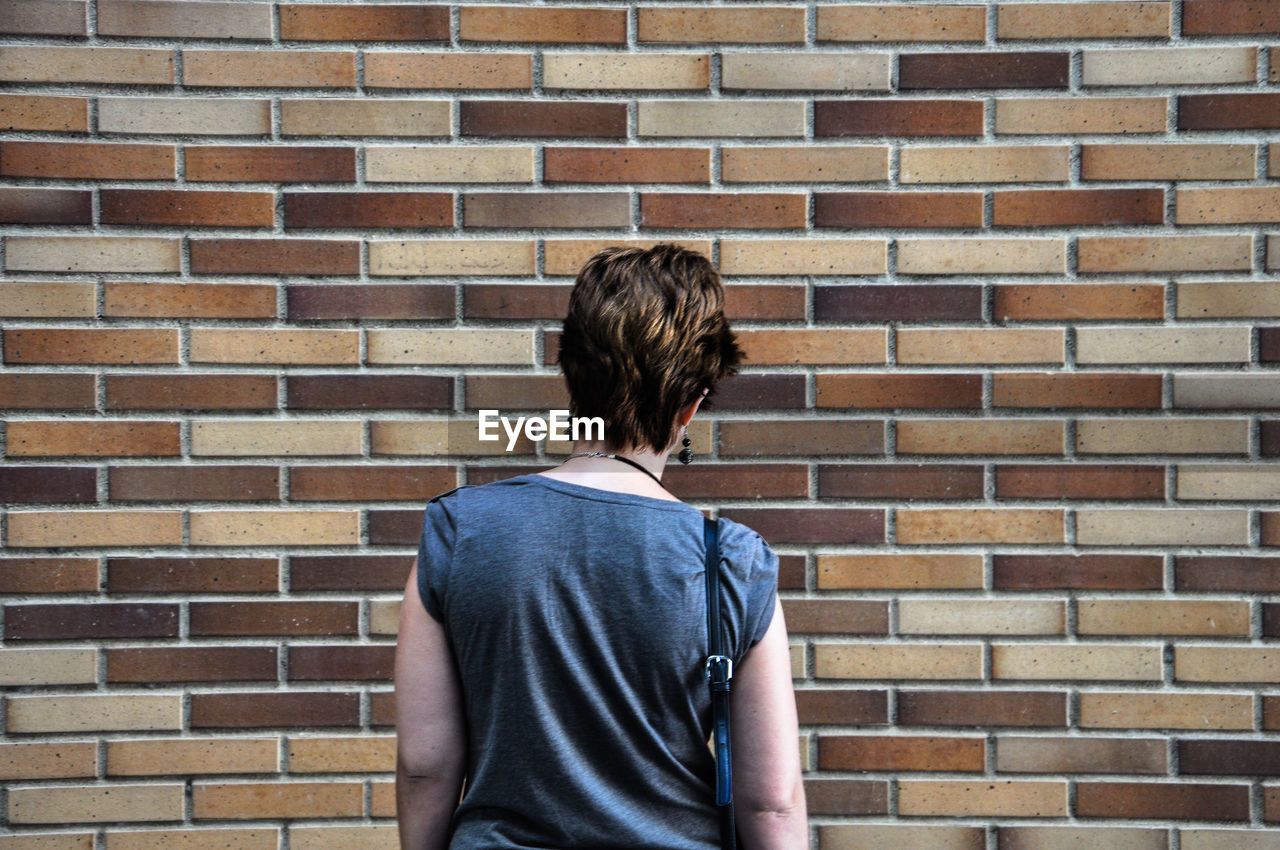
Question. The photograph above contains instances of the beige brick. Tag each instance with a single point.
(1041, 754)
(1077, 662)
(275, 528)
(1077, 838)
(979, 525)
(1229, 482)
(190, 19)
(194, 756)
(91, 254)
(1226, 664)
(1161, 617)
(981, 436)
(803, 256)
(759, 25)
(124, 65)
(1165, 711)
(800, 164)
(294, 346)
(463, 164)
(898, 661)
(364, 117)
(1226, 391)
(960, 798)
(860, 836)
(47, 299)
(1228, 206)
(93, 713)
(264, 437)
(47, 841)
(94, 528)
(25, 667)
(731, 118)
(1169, 66)
(797, 654)
(438, 437)
(350, 754)
(1228, 839)
(989, 345)
(1164, 253)
(893, 572)
(343, 837)
(384, 617)
(980, 617)
(628, 71)
(451, 346)
(995, 164)
(1083, 20)
(278, 69)
(1168, 162)
(1162, 436)
(194, 839)
(826, 347)
(452, 257)
(259, 800)
(1162, 345)
(105, 803)
(982, 256)
(1080, 115)
(566, 256)
(430, 70)
(1161, 527)
(61, 760)
(901, 22)
(196, 116)
(806, 71)
(44, 113)
(382, 799)
(1229, 299)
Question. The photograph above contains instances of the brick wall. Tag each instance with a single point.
(1005, 274)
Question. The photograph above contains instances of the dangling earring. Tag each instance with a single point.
(686, 453)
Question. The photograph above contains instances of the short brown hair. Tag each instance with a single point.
(645, 334)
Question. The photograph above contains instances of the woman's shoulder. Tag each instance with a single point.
(747, 552)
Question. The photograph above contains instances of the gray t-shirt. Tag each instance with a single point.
(577, 617)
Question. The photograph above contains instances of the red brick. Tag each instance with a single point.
(394, 527)
(739, 481)
(48, 575)
(846, 797)
(230, 619)
(237, 483)
(275, 256)
(1078, 390)
(341, 662)
(813, 525)
(626, 165)
(759, 392)
(722, 210)
(899, 481)
(900, 302)
(897, 209)
(192, 575)
(983, 70)
(1229, 111)
(43, 391)
(90, 345)
(270, 164)
(334, 22)
(258, 709)
(369, 483)
(1230, 17)
(45, 206)
(1079, 481)
(982, 708)
(188, 208)
(45, 17)
(191, 392)
(543, 24)
(836, 616)
(192, 664)
(87, 160)
(1079, 301)
(370, 301)
(897, 117)
(1078, 572)
(382, 708)
(1183, 801)
(1230, 573)
(369, 392)
(924, 391)
(37, 484)
(513, 118)
(844, 707)
(349, 572)
(900, 752)
(1270, 523)
(763, 301)
(368, 209)
(513, 301)
(90, 621)
(41, 113)
(1062, 207)
(188, 300)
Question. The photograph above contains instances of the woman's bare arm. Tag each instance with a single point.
(767, 790)
(430, 728)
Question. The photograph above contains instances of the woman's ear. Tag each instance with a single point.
(686, 413)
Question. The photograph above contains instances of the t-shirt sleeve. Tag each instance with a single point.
(754, 567)
(435, 552)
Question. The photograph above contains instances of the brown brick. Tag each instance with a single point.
(1229, 17)
(507, 301)
(1167, 162)
(1079, 481)
(90, 345)
(764, 301)
(551, 25)
(1228, 111)
(1076, 20)
(184, 19)
(760, 392)
(836, 616)
(176, 756)
(1159, 800)
(1079, 301)
(275, 256)
(979, 525)
(191, 392)
(1239, 573)
(269, 69)
(367, 663)
(266, 710)
(1078, 390)
(1227, 205)
(982, 708)
(36, 484)
(87, 160)
(192, 575)
(757, 25)
(847, 797)
(230, 619)
(47, 391)
(900, 753)
(369, 483)
(982, 70)
(1270, 437)
(506, 392)
(897, 117)
(194, 483)
(563, 164)
(369, 392)
(188, 300)
(1229, 757)
(901, 22)
(897, 209)
(349, 572)
(392, 527)
(263, 164)
(192, 664)
(813, 525)
(370, 301)
(90, 621)
(368, 209)
(912, 572)
(799, 437)
(48, 575)
(722, 210)
(45, 206)
(113, 438)
(926, 391)
(566, 256)
(41, 113)
(45, 17)
(335, 22)
(581, 119)
(1062, 207)
(1078, 572)
(412, 70)
(187, 208)
(546, 209)
(899, 481)
(795, 346)
(259, 800)
(988, 436)
(1081, 755)
(739, 481)
(72, 759)
(842, 706)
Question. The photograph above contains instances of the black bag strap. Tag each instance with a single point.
(719, 677)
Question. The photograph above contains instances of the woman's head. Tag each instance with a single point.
(645, 336)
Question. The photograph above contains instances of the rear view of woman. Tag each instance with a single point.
(553, 635)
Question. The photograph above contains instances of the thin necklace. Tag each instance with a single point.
(625, 460)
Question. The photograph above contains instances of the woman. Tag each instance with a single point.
(553, 632)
